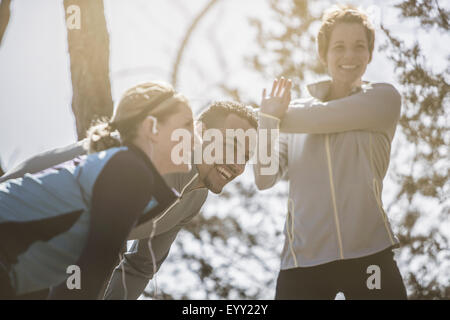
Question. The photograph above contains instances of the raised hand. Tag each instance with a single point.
(278, 101)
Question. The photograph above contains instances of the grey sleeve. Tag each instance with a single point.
(45, 160)
(376, 108)
(268, 174)
(138, 266)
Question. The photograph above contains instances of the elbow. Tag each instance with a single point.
(392, 95)
(396, 102)
(392, 100)
(396, 98)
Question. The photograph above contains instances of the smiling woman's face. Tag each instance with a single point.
(348, 53)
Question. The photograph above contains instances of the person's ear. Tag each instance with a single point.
(150, 127)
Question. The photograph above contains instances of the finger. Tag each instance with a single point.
(280, 87)
(287, 91)
(274, 86)
(288, 87)
(287, 98)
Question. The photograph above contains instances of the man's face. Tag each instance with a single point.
(215, 176)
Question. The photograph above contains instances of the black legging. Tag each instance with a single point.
(349, 276)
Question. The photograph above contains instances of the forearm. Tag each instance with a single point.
(126, 285)
(271, 160)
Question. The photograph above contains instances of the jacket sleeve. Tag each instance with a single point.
(137, 264)
(375, 108)
(272, 146)
(136, 268)
(45, 160)
(119, 197)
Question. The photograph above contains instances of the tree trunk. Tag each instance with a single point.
(4, 17)
(89, 63)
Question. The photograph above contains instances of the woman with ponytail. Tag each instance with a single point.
(75, 218)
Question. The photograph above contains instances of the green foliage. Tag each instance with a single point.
(290, 50)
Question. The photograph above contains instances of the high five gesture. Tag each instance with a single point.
(278, 101)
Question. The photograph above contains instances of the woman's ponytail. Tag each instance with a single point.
(157, 99)
(101, 136)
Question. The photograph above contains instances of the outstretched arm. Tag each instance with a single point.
(376, 108)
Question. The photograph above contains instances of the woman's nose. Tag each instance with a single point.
(349, 54)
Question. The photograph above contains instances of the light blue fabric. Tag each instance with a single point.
(49, 193)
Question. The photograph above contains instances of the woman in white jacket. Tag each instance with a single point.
(334, 148)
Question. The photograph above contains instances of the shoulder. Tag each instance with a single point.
(386, 92)
(301, 102)
(123, 166)
(383, 87)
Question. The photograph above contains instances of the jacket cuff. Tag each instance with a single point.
(267, 121)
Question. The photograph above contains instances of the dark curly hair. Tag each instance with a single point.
(215, 114)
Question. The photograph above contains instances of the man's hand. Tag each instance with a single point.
(278, 101)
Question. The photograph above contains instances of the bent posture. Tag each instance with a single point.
(140, 264)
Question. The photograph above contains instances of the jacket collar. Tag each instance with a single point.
(321, 89)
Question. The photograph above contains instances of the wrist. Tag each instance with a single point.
(269, 115)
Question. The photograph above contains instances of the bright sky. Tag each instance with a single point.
(35, 87)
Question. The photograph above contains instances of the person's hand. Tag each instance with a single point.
(278, 101)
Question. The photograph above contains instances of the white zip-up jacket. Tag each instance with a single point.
(335, 155)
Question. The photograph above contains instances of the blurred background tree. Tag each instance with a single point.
(425, 128)
(89, 63)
